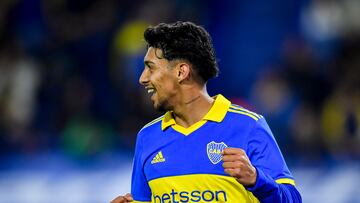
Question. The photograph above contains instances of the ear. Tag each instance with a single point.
(183, 71)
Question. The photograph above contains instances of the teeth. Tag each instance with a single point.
(150, 90)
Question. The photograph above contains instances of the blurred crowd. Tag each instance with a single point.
(69, 71)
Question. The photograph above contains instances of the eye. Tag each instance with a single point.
(147, 67)
(152, 68)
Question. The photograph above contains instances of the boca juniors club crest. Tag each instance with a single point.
(214, 151)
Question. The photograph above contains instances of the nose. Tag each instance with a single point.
(144, 78)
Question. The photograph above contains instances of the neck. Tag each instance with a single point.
(193, 106)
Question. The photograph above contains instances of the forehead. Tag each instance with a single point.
(154, 55)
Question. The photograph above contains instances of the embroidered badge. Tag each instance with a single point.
(214, 151)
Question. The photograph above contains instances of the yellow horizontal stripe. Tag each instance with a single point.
(200, 188)
(134, 201)
(244, 113)
(245, 110)
(286, 181)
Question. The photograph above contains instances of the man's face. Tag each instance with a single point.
(159, 79)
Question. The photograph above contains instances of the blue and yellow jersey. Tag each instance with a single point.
(177, 164)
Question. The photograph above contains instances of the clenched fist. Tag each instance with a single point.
(123, 199)
(237, 164)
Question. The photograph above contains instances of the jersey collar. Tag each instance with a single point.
(216, 113)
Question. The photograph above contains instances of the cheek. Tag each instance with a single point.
(165, 83)
(170, 86)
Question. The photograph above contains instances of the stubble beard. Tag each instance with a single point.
(162, 107)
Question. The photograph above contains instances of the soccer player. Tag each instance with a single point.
(203, 149)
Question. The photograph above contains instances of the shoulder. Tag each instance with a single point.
(244, 120)
(238, 112)
(149, 129)
(152, 124)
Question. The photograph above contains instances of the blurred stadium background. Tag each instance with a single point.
(70, 103)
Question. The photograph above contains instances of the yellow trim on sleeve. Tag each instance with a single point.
(285, 181)
(233, 107)
(244, 113)
(153, 122)
(134, 201)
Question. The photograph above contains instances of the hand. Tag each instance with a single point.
(123, 199)
(237, 164)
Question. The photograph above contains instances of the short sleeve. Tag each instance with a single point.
(140, 189)
(265, 154)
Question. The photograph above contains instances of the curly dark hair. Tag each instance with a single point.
(187, 41)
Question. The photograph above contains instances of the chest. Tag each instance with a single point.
(198, 153)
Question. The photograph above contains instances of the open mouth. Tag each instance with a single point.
(151, 92)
